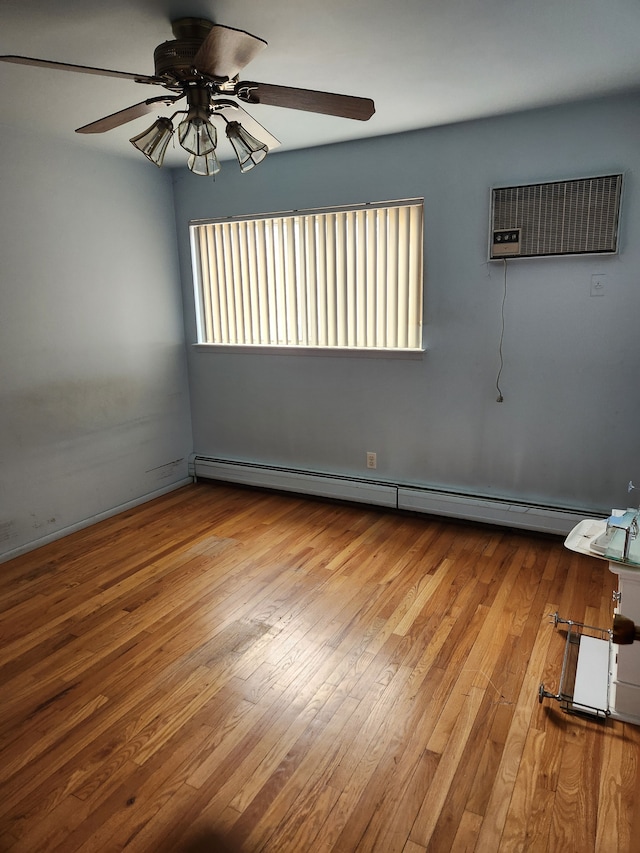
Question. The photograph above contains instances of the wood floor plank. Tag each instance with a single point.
(499, 802)
(231, 669)
(433, 803)
(519, 833)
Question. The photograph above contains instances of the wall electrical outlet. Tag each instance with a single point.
(372, 459)
(598, 284)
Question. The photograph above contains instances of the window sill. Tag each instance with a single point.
(331, 352)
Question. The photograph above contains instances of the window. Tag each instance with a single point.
(339, 278)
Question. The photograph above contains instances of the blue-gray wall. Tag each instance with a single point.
(94, 406)
(567, 431)
(94, 381)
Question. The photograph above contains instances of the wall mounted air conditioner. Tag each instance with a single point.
(574, 217)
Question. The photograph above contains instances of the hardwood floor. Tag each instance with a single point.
(231, 670)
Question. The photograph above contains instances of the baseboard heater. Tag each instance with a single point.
(392, 495)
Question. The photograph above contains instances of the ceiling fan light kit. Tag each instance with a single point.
(202, 64)
(154, 140)
(207, 164)
(197, 136)
(249, 150)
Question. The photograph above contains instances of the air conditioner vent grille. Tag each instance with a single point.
(559, 218)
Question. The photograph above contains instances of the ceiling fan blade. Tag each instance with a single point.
(82, 69)
(232, 112)
(345, 106)
(123, 116)
(225, 51)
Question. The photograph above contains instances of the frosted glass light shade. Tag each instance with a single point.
(153, 141)
(205, 164)
(249, 150)
(197, 136)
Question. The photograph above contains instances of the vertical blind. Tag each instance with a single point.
(340, 278)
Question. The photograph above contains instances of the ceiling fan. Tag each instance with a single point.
(202, 64)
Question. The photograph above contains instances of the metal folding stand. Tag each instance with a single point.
(585, 678)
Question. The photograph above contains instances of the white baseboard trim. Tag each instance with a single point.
(301, 482)
(501, 512)
(498, 511)
(94, 519)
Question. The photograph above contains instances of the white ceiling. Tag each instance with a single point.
(424, 62)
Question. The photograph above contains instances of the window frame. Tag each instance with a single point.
(369, 215)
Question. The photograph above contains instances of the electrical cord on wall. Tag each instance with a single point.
(500, 397)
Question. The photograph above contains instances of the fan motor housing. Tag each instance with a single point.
(175, 59)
